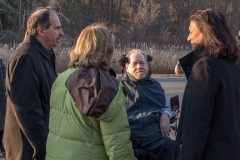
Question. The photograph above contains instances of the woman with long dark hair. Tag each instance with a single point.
(209, 126)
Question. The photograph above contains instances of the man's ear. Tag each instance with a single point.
(40, 31)
(126, 66)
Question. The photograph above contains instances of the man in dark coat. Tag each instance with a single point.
(2, 103)
(29, 78)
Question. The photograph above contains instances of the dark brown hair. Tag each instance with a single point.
(39, 18)
(219, 41)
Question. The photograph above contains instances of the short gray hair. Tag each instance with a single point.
(138, 51)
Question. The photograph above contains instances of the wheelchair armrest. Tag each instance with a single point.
(177, 114)
(173, 119)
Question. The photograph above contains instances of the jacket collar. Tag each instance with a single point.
(188, 61)
(33, 40)
(146, 80)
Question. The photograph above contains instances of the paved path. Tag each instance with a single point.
(172, 86)
(2, 158)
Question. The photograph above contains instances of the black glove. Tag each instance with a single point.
(40, 152)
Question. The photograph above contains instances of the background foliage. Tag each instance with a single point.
(152, 25)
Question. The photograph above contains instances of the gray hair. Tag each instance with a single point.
(138, 51)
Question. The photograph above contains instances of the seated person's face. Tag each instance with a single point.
(137, 67)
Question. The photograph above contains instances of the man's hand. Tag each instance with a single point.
(165, 124)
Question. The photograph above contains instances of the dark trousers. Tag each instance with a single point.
(1, 144)
(158, 147)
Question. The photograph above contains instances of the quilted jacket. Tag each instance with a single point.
(88, 118)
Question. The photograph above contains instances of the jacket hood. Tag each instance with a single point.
(92, 90)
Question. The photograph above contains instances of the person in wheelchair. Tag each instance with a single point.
(147, 109)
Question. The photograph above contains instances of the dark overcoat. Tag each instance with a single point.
(189, 60)
(209, 127)
(29, 78)
(2, 94)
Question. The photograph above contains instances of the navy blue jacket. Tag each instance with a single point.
(145, 101)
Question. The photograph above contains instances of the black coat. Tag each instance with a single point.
(2, 95)
(29, 78)
(189, 60)
(209, 127)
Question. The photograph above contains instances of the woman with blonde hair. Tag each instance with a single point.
(88, 117)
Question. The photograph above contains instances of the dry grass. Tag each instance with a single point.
(165, 57)
(6, 51)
